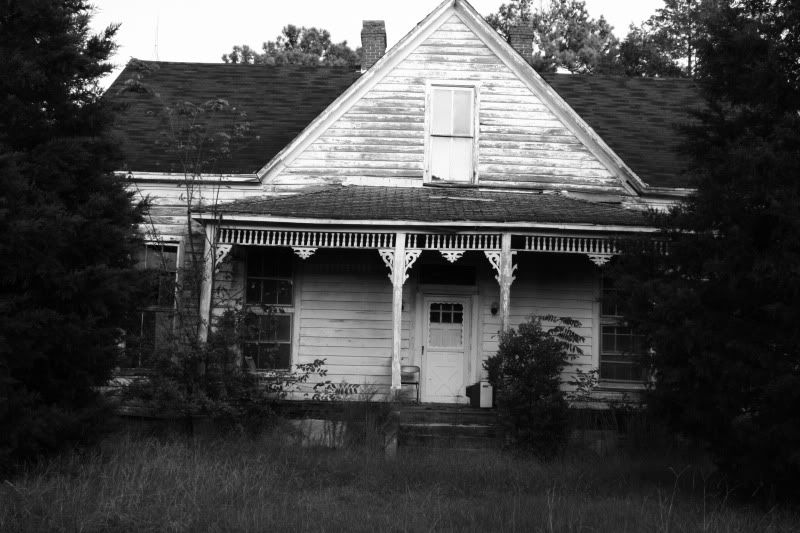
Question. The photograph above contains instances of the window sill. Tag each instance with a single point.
(445, 184)
(609, 385)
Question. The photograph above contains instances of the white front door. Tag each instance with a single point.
(446, 346)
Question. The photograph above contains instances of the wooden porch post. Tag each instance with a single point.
(209, 260)
(503, 263)
(398, 278)
(506, 279)
(399, 260)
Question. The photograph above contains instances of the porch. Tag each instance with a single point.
(453, 284)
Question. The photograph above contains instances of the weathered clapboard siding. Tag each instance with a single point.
(347, 320)
(381, 137)
(547, 285)
(168, 203)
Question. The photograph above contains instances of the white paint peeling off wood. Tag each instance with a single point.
(381, 135)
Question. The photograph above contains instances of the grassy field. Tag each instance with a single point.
(263, 484)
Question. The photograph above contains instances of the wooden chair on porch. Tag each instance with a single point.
(409, 375)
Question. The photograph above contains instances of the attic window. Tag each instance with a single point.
(451, 133)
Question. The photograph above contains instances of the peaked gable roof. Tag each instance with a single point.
(635, 117)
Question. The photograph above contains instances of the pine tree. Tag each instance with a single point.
(67, 226)
(722, 308)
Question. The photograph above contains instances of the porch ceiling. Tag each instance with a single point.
(431, 204)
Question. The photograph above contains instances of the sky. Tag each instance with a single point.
(202, 30)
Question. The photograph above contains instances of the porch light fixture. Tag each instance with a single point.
(494, 308)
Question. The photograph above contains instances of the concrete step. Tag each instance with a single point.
(447, 415)
(446, 430)
(470, 436)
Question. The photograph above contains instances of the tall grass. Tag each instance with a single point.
(268, 484)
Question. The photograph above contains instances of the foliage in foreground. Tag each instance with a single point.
(526, 374)
(266, 484)
(722, 308)
(67, 227)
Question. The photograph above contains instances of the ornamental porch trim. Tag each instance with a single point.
(444, 242)
(399, 250)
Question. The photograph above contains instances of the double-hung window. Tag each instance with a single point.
(269, 294)
(152, 324)
(451, 133)
(622, 350)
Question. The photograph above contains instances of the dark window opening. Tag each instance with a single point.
(150, 329)
(269, 293)
(623, 353)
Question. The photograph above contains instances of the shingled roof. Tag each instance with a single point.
(433, 204)
(278, 103)
(635, 116)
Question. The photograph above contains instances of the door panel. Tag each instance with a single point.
(446, 345)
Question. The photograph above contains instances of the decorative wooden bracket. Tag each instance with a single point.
(304, 252)
(388, 257)
(503, 263)
(221, 255)
(600, 259)
(452, 255)
(494, 260)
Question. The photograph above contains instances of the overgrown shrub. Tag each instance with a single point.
(526, 374)
(207, 379)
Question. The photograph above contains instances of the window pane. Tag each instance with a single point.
(442, 116)
(253, 291)
(624, 343)
(607, 342)
(277, 328)
(461, 159)
(609, 307)
(462, 112)
(270, 356)
(284, 289)
(166, 289)
(162, 258)
(440, 158)
(254, 263)
(270, 291)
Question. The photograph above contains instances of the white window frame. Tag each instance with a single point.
(178, 244)
(280, 309)
(449, 84)
(615, 321)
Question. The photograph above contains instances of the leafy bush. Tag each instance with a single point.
(191, 378)
(526, 373)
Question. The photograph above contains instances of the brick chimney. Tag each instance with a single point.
(521, 38)
(373, 43)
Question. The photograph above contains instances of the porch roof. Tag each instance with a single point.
(432, 204)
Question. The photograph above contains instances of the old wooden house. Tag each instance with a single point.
(486, 191)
